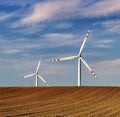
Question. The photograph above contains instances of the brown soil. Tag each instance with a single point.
(60, 101)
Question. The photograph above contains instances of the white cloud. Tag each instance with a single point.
(108, 68)
(53, 10)
(24, 45)
(4, 16)
(59, 39)
(23, 64)
(94, 54)
(17, 46)
(27, 29)
(102, 8)
(105, 43)
(112, 25)
(63, 25)
(59, 36)
(50, 10)
(12, 51)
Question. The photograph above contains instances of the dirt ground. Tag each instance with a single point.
(60, 101)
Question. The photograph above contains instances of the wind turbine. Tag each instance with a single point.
(80, 59)
(36, 74)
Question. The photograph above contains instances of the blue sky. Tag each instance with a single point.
(31, 29)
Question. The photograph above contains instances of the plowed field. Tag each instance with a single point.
(60, 101)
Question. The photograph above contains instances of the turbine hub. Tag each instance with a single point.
(79, 56)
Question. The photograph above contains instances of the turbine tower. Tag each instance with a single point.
(80, 59)
(36, 74)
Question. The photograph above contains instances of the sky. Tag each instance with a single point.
(48, 29)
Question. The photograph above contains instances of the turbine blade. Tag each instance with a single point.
(82, 46)
(38, 65)
(30, 75)
(88, 67)
(42, 79)
(63, 59)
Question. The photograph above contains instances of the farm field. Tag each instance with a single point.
(59, 101)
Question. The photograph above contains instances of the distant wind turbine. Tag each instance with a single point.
(36, 74)
(80, 59)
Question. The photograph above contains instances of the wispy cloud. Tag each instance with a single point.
(50, 11)
(102, 8)
(21, 64)
(17, 46)
(52, 40)
(54, 10)
(25, 65)
(12, 51)
(63, 25)
(104, 43)
(28, 29)
(108, 68)
(5, 16)
(112, 25)
(94, 54)
(59, 39)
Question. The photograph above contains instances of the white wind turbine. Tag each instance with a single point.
(36, 74)
(79, 57)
